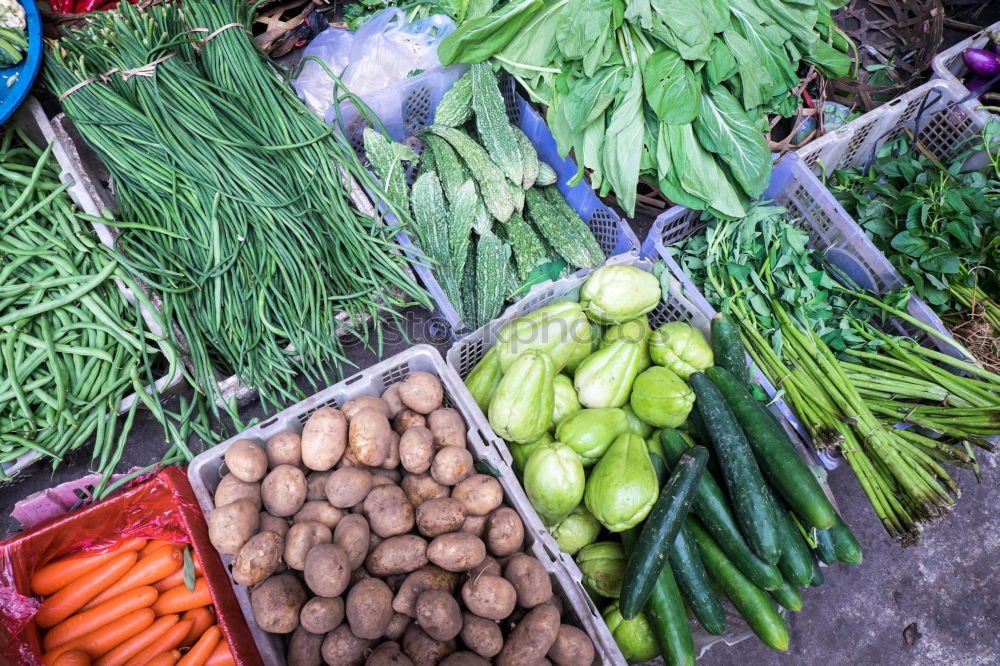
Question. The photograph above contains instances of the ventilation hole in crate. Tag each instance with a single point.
(356, 135)
(470, 354)
(857, 141)
(684, 226)
(268, 423)
(510, 100)
(416, 110)
(605, 230)
(811, 159)
(397, 374)
(946, 134)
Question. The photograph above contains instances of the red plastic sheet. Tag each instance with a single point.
(164, 507)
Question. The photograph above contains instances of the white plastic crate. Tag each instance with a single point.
(949, 65)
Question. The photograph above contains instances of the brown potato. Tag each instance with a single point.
(304, 648)
(322, 614)
(406, 419)
(440, 516)
(269, 523)
(423, 649)
(230, 489)
(398, 626)
(348, 486)
(246, 461)
(430, 577)
(391, 461)
(463, 658)
(373, 541)
(284, 448)
(327, 570)
(398, 554)
(388, 653)
(300, 540)
(283, 490)
(448, 427)
(422, 392)
(530, 580)
(276, 603)
(382, 476)
(422, 487)
(532, 638)
(324, 438)
(451, 465)
(480, 635)
(438, 614)
(488, 566)
(488, 596)
(504, 532)
(355, 405)
(389, 512)
(358, 575)
(392, 401)
(232, 525)
(319, 511)
(475, 524)
(368, 438)
(369, 608)
(342, 648)
(479, 494)
(572, 647)
(458, 551)
(416, 449)
(316, 485)
(258, 558)
(353, 535)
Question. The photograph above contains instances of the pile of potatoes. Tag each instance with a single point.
(371, 539)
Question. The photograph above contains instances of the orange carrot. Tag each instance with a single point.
(103, 639)
(165, 659)
(153, 545)
(221, 655)
(73, 658)
(177, 577)
(202, 650)
(203, 618)
(138, 643)
(83, 623)
(53, 577)
(72, 598)
(146, 571)
(168, 641)
(180, 598)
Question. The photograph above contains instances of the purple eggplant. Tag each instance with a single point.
(982, 63)
(977, 85)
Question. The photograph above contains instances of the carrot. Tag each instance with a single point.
(202, 650)
(154, 545)
(54, 576)
(165, 659)
(73, 658)
(146, 571)
(221, 655)
(177, 577)
(168, 641)
(138, 643)
(203, 618)
(180, 598)
(72, 598)
(103, 639)
(83, 623)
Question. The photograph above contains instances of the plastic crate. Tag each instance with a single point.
(949, 65)
(207, 469)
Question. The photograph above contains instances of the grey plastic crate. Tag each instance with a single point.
(949, 65)
(207, 469)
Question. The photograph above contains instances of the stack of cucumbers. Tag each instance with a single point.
(487, 214)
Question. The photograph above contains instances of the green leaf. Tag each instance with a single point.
(940, 260)
(621, 145)
(828, 60)
(588, 98)
(189, 573)
(686, 23)
(583, 28)
(480, 39)
(909, 244)
(699, 174)
(721, 63)
(724, 128)
(535, 44)
(755, 80)
(671, 87)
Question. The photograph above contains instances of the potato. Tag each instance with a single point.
(530, 580)
(416, 449)
(322, 614)
(504, 532)
(391, 461)
(479, 494)
(300, 540)
(319, 511)
(373, 541)
(422, 487)
(448, 427)
(392, 401)
(463, 658)
(488, 566)
(389, 512)
(231, 488)
(398, 626)
(423, 649)
(480, 635)
(382, 476)
(475, 524)
(430, 577)
(304, 648)
(316, 485)
(353, 535)
(531, 638)
(398, 554)
(406, 419)
(355, 405)
(283, 490)
(458, 551)
(269, 523)
(348, 486)
(451, 465)
(284, 448)
(232, 525)
(422, 392)
(276, 603)
(572, 647)
(368, 438)
(327, 570)
(342, 648)
(438, 615)
(246, 461)
(489, 596)
(388, 654)
(369, 608)
(258, 558)
(324, 438)
(440, 516)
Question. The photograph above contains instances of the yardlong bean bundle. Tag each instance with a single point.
(244, 195)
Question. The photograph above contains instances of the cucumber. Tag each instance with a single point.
(492, 123)
(846, 546)
(659, 531)
(817, 578)
(796, 557)
(711, 506)
(825, 549)
(752, 603)
(692, 579)
(743, 479)
(777, 456)
(727, 347)
(492, 183)
(788, 596)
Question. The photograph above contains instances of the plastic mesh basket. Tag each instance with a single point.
(949, 65)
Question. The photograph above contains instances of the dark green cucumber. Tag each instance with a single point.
(711, 506)
(659, 531)
(817, 578)
(727, 347)
(752, 602)
(846, 546)
(743, 479)
(796, 557)
(777, 456)
(825, 550)
(788, 596)
(692, 579)
(699, 433)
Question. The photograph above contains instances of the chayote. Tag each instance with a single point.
(622, 487)
(680, 347)
(635, 637)
(583, 351)
(521, 409)
(482, 382)
(590, 432)
(576, 530)
(520, 451)
(565, 401)
(636, 425)
(615, 294)
(661, 398)
(560, 329)
(553, 481)
(604, 379)
(636, 330)
(603, 567)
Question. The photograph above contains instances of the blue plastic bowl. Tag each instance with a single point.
(25, 71)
